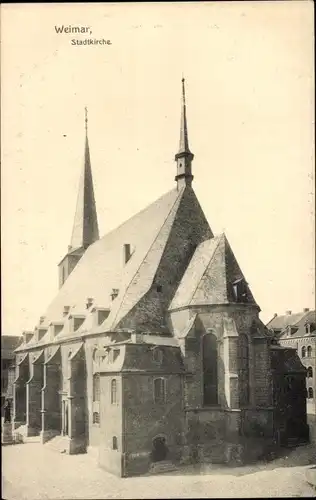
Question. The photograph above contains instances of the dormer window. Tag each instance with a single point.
(77, 322)
(289, 330)
(127, 253)
(114, 294)
(102, 314)
(240, 290)
(41, 332)
(57, 328)
(114, 354)
(307, 328)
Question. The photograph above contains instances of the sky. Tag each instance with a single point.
(250, 100)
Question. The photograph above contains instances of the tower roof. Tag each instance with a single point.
(85, 229)
(184, 149)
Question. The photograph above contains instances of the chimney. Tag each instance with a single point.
(288, 313)
(89, 302)
(66, 310)
(127, 252)
(137, 338)
(42, 319)
(306, 309)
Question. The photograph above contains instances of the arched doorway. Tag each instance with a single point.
(160, 449)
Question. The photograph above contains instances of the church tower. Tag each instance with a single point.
(85, 229)
(184, 156)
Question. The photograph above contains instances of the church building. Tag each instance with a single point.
(152, 353)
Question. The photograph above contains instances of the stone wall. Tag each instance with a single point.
(144, 419)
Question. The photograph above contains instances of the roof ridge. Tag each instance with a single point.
(137, 270)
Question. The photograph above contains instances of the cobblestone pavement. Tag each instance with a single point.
(31, 471)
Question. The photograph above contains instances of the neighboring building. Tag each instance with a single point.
(153, 349)
(8, 345)
(299, 331)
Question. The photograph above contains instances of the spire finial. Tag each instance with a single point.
(86, 118)
(183, 89)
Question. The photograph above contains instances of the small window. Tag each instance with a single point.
(159, 288)
(114, 443)
(96, 387)
(96, 418)
(115, 354)
(113, 392)
(240, 290)
(309, 351)
(310, 393)
(157, 355)
(160, 390)
(303, 351)
(309, 372)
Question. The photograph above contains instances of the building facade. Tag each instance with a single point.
(153, 350)
(298, 331)
(8, 345)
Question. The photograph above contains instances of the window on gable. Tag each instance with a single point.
(114, 398)
(160, 390)
(307, 328)
(240, 290)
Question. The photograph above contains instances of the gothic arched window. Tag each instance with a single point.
(244, 369)
(210, 378)
(160, 390)
(303, 351)
(96, 387)
(309, 351)
(113, 391)
(309, 372)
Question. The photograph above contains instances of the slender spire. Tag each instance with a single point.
(85, 228)
(184, 156)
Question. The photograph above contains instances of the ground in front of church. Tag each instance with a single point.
(32, 471)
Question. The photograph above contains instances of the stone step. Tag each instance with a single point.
(59, 444)
(162, 467)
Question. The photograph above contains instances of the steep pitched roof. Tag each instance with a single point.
(210, 276)
(102, 267)
(297, 325)
(281, 322)
(85, 229)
